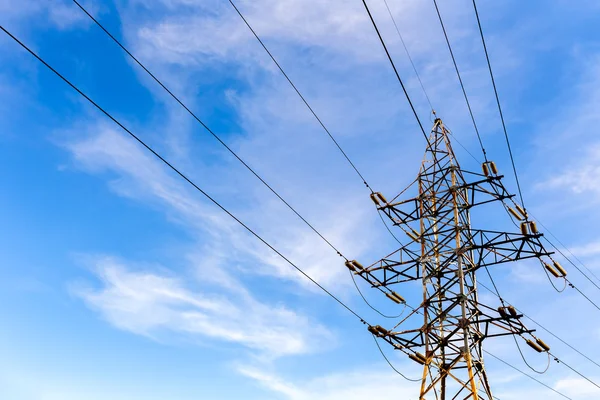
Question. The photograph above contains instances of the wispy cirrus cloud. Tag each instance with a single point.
(136, 174)
(154, 304)
(60, 14)
(340, 27)
(223, 307)
(582, 176)
(377, 382)
(587, 250)
(568, 150)
(577, 387)
(352, 385)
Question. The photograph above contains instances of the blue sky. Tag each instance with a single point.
(119, 282)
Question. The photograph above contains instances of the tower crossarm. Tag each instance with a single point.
(402, 265)
(484, 322)
(484, 248)
(483, 190)
(492, 247)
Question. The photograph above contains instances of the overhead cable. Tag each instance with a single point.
(391, 365)
(207, 128)
(544, 328)
(370, 305)
(549, 354)
(300, 94)
(512, 160)
(505, 362)
(568, 251)
(412, 107)
(339, 253)
(507, 140)
(558, 360)
(555, 247)
(408, 54)
(460, 80)
(527, 375)
(583, 294)
(571, 262)
(312, 111)
(513, 336)
(178, 172)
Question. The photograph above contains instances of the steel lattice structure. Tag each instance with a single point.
(444, 254)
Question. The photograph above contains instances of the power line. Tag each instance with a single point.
(207, 128)
(408, 53)
(483, 150)
(558, 338)
(510, 149)
(188, 180)
(395, 70)
(527, 363)
(405, 92)
(370, 305)
(286, 76)
(566, 280)
(526, 374)
(464, 148)
(583, 294)
(312, 111)
(300, 94)
(568, 250)
(514, 337)
(571, 262)
(339, 253)
(388, 229)
(545, 329)
(571, 284)
(460, 80)
(557, 249)
(517, 344)
(574, 370)
(228, 148)
(476, 129)
(571, 253)
(498, 103)
(178, 172)
(390, 364)
(505, 362)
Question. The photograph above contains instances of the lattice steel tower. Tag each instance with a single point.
(444, 253)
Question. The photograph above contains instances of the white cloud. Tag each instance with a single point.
(375, 382)
(214, 31)
(586, 250)
(61, 14)
(150, 303)
(141, 177)
(577, 388)
(352, 385)
(139, 174)
(530, 272)
(570, 140)
(581, 177)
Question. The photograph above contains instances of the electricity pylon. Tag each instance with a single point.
(445, 253)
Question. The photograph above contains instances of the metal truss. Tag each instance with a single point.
(444, 253)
